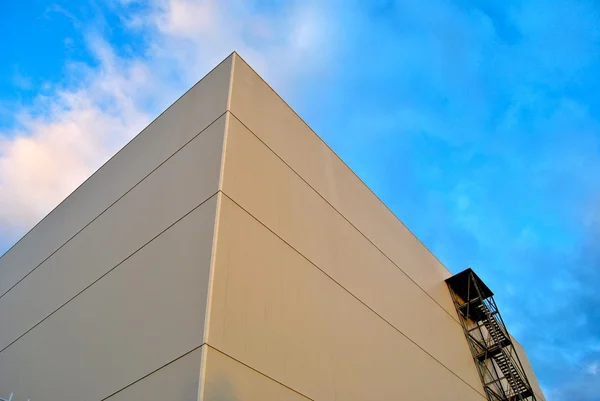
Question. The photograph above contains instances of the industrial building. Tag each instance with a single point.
(227, 254)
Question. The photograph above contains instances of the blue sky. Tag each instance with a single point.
(477, 123)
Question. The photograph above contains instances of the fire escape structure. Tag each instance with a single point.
(498, 364)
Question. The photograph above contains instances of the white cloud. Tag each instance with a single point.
(67, 135)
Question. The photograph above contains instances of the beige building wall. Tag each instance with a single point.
(227, 253)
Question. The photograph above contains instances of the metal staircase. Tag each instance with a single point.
(497, 362)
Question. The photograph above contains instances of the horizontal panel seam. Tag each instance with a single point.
(156, 370)
(108, 272)
(112, 204)
(347, 220)
(351, 293)
(257, 371)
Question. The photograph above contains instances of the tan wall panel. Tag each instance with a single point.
(529, 370)
(182, 183)
(276, 312)
(266, 114)
(201, 105)
(178, 381)
(139, 317)
(229, 380)
(262, 184)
